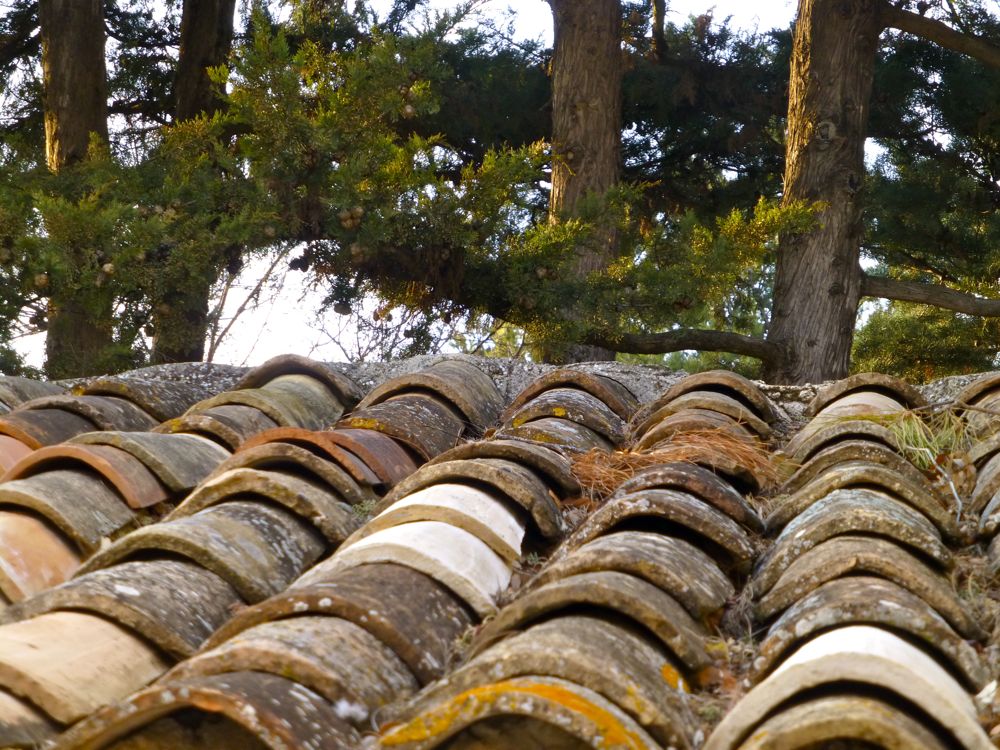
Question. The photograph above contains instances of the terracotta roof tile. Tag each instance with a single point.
(493, 601)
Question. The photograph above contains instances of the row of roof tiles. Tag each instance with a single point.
(609, 645)
(867, 639)
(601, 647)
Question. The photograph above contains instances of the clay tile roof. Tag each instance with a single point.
(433, 561)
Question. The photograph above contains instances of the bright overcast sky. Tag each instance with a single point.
(534, 18)
(285, 323)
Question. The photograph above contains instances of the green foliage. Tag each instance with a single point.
(342, 145)
(934, 217)
(381, 210)
(22, 137)
(692, 362)
(74, 237)
(932, 202)
(381, 156)
(685, 272)
(378, 157)
(704, 126)
(487, 337)
(404, 216)
(485, 71)
(920, 343)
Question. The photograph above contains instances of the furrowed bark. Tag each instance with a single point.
(206, 38)
(181, 316)
(586, 126)
(75, 78)
(659, 21)
(818, 277)
(80, 327)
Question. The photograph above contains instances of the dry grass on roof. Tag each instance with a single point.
(936, 441)
(925, 435)
(600, 473)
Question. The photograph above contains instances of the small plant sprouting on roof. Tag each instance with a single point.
(533, 560)
(364, 509)
(601, 473)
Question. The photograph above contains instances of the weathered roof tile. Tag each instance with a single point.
(173, 603)
(642, 579)
(859, 654)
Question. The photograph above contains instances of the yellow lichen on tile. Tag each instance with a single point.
(465, 708)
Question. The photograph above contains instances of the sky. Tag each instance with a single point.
(285, 322)
(535, 18)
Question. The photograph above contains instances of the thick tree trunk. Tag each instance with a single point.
(181, 317)
(206, 39)
(76, 89)
(818, 279)
(80, 329)
(79, 340)
(659, 22)
(586, 123)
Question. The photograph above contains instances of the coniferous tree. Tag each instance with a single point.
(76, 121)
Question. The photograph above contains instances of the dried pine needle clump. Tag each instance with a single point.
(601, 473)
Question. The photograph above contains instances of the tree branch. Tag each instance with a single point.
(686, 338)
(154, 110)
(940, 33)
(929, 294)
(919, 264)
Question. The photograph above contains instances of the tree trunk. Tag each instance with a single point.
(659, 22)
(206, 38)
(80, 328)
(586, 124)
(79, 339)
(818, 278)
(76, 89)
(181, 315)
